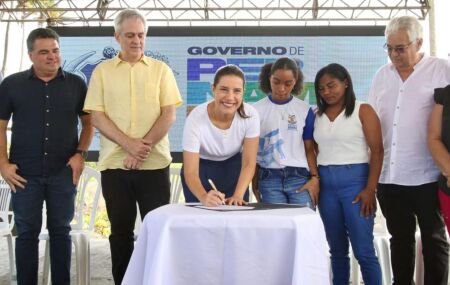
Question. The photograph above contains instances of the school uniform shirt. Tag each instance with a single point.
(284, 127)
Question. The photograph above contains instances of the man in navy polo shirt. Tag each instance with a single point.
(46, 157)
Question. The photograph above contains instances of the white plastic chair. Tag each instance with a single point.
(176, 189)
(137, 224)
(419, 269)
(355, 272)
(251, 195)
(382, 249)
(89, 180)
(382, 246)
(7, 223)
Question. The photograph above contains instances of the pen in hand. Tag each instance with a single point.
(215, 188)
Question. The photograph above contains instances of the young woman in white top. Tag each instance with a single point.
(350, 155)
(287, 171)
(220, 142)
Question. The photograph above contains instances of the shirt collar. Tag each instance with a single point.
(117, 60)
(61, 73)
(420, 63)
(281, 102)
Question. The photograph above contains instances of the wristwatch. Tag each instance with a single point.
(83, 153)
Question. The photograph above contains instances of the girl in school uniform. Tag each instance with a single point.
(287, 170)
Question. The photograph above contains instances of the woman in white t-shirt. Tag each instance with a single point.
(220, 142)
(350, 155)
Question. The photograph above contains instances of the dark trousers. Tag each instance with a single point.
(122, 189)
(401, 205)
(58, 192)
(224, 174)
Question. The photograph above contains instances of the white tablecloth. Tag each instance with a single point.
(178, 244)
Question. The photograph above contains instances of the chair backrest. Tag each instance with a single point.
(251, 195)
(89, 187)
(5, 199)
(137, 223)
(380, 222)
(175, 194)
(176, 188)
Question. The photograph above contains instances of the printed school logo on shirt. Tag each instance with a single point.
(292, 122)
(269, 145)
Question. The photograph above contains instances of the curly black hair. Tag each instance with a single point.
(282, 63)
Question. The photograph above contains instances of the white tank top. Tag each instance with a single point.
(341, 141)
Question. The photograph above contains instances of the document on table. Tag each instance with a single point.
(248, 207)
(225, 208)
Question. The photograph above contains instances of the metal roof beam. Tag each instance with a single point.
(86, 11)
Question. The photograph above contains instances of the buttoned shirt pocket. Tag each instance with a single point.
(151, 93)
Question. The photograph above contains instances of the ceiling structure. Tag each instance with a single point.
(211, 12)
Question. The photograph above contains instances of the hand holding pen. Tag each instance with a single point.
(217, 193)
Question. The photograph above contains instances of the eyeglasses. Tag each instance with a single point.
(398, 49)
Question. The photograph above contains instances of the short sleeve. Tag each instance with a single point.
(253, 123)
(372, 97)
(5, 101)
(440, 94)
(191, 134)
(83, 90)
(308, 129)
(169, 92)
(95, 94)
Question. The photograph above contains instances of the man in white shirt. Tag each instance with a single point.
(402, 95)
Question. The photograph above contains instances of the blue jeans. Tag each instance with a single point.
(58, 192)
(339, 185)
(279, 185)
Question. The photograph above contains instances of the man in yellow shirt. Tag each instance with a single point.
(132, 99)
